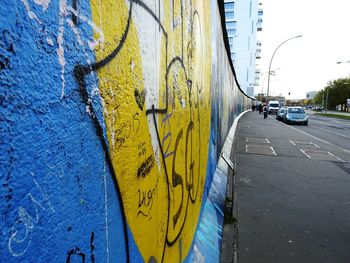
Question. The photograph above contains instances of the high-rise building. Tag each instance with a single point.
(243, 22)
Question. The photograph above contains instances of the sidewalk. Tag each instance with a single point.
(288, 208)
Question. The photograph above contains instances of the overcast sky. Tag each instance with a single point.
(306, 63)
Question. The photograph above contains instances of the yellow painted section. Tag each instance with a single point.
(189, 122)
(162, 203)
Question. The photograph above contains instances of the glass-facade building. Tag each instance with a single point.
(243, 22)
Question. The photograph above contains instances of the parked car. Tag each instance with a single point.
(273, 106)
(295, 115)
(280, 114)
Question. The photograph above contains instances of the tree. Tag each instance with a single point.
(338, 91)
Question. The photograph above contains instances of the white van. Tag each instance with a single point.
(273, 106)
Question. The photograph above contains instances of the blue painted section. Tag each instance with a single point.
(54, 179)
(207, 242)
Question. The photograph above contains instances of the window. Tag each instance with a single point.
(260, 13)
(231, 32)
(229, 6)
(252, 27)
(230, 40)
(233, 56)
(295, 110)
(229, 15)
(231, 25)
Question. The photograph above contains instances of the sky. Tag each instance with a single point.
(310, 62)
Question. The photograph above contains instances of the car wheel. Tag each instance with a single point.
(306, 123)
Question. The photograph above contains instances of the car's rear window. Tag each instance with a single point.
(295, 110)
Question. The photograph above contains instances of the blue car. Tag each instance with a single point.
(280, 114)
(295, 115)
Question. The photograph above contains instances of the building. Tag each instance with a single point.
(310, 95)
(243, 22)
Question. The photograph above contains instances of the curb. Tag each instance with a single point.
(229, 252)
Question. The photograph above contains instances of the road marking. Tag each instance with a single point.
(260, 149)
(257, 140)
(319, 139)
(308, 156)
(320, 155)
(336, 157)
(295, 143)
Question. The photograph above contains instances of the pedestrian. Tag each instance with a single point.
(266, 111)
(260, 108)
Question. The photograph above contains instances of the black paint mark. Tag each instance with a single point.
(6, 49)
(146, 198)
(144, 214)
(75, 7)
(76, 252)
(6, 41)
(189, 183)
(122, 134)
(92, 248)
(142, 149)
(4, 62)
(177, 179)
(140, 98)
(136, 122)
(146, 167)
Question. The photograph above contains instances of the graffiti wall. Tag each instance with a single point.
(112, 118)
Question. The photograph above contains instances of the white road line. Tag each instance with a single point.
(316, 145)
(273, 151)
(292, 142)
(336, 157)
(321, 140)
(339, 134)
(305, 153)
(304, 143)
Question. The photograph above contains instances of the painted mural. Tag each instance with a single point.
(112, 117)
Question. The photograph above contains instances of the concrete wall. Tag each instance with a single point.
(112, 118)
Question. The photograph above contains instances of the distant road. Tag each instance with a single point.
(333, 131)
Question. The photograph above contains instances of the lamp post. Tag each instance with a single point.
(271, 72)
(341, 62)
(268, 80)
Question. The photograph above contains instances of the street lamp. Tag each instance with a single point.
(340, 62)
(271, 72)
(268, 80)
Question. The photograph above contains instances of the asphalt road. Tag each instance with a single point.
(293, 190)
